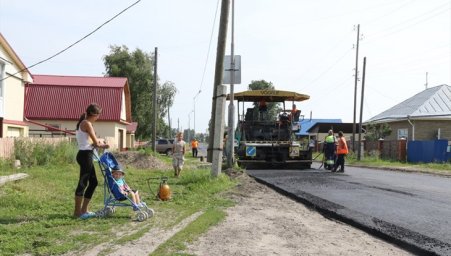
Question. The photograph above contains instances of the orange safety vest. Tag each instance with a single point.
(342, 147)
(194, 144)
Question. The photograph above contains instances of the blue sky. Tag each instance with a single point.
(299, 45)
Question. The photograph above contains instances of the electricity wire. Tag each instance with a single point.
(208, 52)
(396, 28)
(73, 44)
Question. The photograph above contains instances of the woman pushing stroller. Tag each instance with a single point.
(87, 141)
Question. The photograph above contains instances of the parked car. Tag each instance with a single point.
(164, 146)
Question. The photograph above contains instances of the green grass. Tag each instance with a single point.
(423, 167)
(373, 161)
(36, 213)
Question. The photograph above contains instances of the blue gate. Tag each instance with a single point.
(427, 151)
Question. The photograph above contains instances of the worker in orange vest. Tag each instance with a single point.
(342, 151)
(294, 111)
(194, 146)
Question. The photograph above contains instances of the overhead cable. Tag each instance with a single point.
(70, 46)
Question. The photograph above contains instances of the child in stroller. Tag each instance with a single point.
(116, 190)
(118, 175)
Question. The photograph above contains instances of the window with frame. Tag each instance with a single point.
(403, 134)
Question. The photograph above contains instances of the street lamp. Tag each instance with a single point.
(194, 110)
(189, 124)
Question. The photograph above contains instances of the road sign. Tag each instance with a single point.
(227, 77)
(251, 151)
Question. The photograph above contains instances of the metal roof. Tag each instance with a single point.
(88, 81)
(268, 96)
(432, 102)
(306, 124)
(66, 97)
(321, 127)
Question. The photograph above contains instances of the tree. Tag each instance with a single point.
(165, 99)
(264, 85)
(260, 85)
(137, 66)
(377, 131)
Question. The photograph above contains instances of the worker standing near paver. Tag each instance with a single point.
(329, 150)
(342, 151)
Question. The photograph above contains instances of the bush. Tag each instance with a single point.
(41, 152)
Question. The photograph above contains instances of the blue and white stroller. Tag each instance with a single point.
(112, 195)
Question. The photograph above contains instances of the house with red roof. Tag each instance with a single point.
(13, 77)
(54, 104)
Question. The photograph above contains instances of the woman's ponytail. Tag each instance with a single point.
(82, 117)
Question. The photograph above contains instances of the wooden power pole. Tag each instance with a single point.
(154, 117)
(355, 87)
(361, 111)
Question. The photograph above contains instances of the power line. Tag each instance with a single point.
(328, 53)
(399, 27)
(389, 13)
(70, 46)
(209, 47)
(330, 67)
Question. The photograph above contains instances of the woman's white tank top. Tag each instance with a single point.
(83, 140)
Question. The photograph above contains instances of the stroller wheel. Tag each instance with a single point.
(141, 216)
(108, 211)
(100, 213)
(150, 212)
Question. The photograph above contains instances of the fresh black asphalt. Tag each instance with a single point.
(411, 210)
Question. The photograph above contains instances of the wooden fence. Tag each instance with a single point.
(6, 148)
(395, 150)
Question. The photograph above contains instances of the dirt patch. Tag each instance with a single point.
(140, 160)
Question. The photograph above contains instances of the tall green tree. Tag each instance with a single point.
(376, 131)
(260, 85)
(137, 66)
(264, 85)
(165, 98)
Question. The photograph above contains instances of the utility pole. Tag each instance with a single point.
(170, 127)
(189, 126)
(361, 110)
(355, 87)
(219, 69)
(194, 110)
(231, 116)
(154, 123)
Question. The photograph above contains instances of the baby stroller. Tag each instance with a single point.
(329, 155)
(111, 191)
